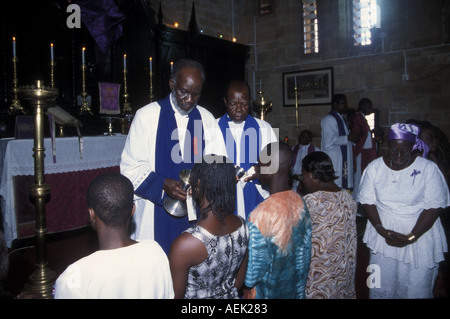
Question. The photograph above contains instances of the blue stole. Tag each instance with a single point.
(249, 154)
(167, 227)
(341, 123)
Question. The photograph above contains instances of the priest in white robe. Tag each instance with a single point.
(244, 137)
(166, 137)
(337, 141)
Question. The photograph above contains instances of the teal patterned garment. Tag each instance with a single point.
(279, 247)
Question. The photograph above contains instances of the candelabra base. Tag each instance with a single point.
(85, 108)
(41, 282)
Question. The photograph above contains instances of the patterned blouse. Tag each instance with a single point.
(333, 257)
(215, 277)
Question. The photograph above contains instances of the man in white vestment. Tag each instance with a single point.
(337, 141)
(244, 137)
(166, 137)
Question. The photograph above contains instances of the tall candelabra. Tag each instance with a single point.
(42, 279)
(15, 103)
(262, 106)
(126, 105)
(84, 103)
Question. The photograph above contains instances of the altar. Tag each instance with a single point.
(69, 167)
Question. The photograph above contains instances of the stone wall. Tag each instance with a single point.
(416, 41)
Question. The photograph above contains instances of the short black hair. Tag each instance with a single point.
(320, 165)
(187, 63)
(337, 97)
(111, 195)
(308, 132)
(214, 179)
(236, 83)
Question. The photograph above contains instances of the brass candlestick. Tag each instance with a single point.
(52, 73)
(84, 104)
(126, 105)
(262, 106)
(42, 279)
(152, 96)
(15, 103)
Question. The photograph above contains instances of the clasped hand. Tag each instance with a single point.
(394, 238)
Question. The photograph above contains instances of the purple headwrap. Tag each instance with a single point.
(408, 132)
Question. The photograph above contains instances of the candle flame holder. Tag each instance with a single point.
(41, 281)
(52, 73)
(85, 108)
(15, 106)
(126, 105)
(151, 96)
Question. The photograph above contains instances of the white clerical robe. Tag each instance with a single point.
(138, 156)
(331, 144)
(267, 136)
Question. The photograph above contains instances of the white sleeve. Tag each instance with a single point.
(367, 193)
(267, 133)
(137, 160)
(436, 191)
(330, 134)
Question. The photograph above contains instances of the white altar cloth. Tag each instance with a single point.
(17, 159)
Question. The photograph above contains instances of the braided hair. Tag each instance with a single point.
(320, 165)
(214, 180)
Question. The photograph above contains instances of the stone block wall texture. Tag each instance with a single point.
(416, 42)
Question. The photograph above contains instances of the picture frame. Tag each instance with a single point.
(314, 87)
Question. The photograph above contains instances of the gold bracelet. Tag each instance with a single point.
(411, 236)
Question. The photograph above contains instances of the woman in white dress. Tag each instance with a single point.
(403, 195)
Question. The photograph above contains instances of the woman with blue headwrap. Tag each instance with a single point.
(403, 195)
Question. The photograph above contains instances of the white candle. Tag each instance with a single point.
(124, 62)
(82, 55)
(51, 51)
(14, 46)
(171, 67)
(151, 65)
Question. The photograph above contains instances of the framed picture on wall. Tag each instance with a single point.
(314, 87)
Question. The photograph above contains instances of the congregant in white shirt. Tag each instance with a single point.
(122, 268)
